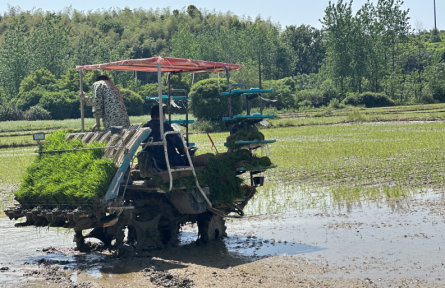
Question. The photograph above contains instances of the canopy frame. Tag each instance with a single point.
(159, 65)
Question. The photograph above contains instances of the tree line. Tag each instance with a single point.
(373, 50)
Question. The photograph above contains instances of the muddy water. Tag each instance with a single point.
(402, 239)
(18, 247)
(389, 244)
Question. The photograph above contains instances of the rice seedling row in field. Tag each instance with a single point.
(331, 164)
(325, 164)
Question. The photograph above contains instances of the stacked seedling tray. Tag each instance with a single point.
(244, 133)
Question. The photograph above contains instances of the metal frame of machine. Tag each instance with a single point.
(150, 214)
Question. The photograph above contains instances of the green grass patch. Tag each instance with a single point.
(67, 124)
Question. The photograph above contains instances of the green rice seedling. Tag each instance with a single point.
(66, 177)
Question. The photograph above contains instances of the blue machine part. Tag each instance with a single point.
(165, 98)
(254, 116)
(180, 121)
(237, 92)
(117, 179)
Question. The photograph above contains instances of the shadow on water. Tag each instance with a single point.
(230, 252)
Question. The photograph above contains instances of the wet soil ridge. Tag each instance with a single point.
(165, 279)
(55, 274)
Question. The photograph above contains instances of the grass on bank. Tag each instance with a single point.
(427, 112)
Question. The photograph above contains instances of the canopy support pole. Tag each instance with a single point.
(229, 99)
(187, 116)
(82, 116)
(161, 110)
(259, 81)
(169, 103)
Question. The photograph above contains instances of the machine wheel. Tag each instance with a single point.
(211, 227)
(170, 233)
(105, 234)
(100, 233)
(147, 233)
(80, 241)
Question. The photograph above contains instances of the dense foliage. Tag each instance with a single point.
(133, 102)
(369, 100)
(207, 102)
(374, 49)
(66, 177)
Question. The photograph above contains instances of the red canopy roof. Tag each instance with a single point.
(168, 64)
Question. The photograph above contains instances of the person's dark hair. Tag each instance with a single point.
(154, 112)
(102, 77)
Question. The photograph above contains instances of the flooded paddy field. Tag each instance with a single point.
(357, 205)
(396, 243)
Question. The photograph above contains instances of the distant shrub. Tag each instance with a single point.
(320, 114)
(208, 104)
(426, 98)
(329, 91)
(30, 98)
(355, 116)
(369, 99)
(335, 104)
(34, 113)
(37, 113)
(11, 114)
(133, 102)
(283, 92)
(314, 97)
(61, 105)
(205, 126)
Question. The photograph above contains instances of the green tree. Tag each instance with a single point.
(14, 64)
(49, 45)
(283, 91)
(30, 98)
(435, 37)
(193, 12)
(183, 45)
(338, 23)
(395, 23)
(70, 80)
(307, 45)
(435, 73)
(37, 78)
